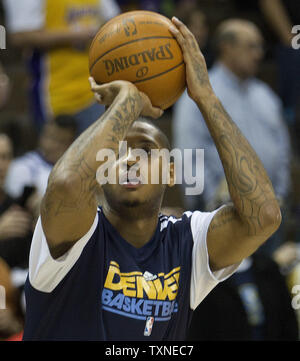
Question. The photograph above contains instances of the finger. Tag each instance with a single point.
(182, 28)
(98, 97)
(94, 86)
(179, 37)
(106, 90)
(149, 110)
(153, 112)
(187, 39)
(156, 112)
(92, 82)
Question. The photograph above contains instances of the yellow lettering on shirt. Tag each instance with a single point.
(133, 284)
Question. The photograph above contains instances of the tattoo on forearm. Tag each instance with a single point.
(248, 183)
(79, 162)
(201, 73)
(123, 118)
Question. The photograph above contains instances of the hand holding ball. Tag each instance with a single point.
(137, 46)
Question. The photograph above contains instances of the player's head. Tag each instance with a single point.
(239, 45)
(6, 154)
(57, 135)
(151, 170)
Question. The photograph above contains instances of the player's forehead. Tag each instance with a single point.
(143, 132)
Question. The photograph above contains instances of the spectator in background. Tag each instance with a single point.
(4, 87)
(58, 33)
(33, 168)
(15, 221)
(253, 305)
(252, 105)
(193, 16)
(282, 15)
(12, 317)
(165, 7)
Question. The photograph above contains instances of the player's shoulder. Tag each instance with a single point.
(174, 220)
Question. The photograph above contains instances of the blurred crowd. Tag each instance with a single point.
(45, 103)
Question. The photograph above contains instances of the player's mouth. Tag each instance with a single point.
(131, 183)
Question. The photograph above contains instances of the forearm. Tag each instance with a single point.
(70, 203)
(107, 131)
(79, 164)
(249, 185)
(237, 230)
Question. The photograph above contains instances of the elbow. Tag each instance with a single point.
(60, 187)
(60, 192)
(270, 218)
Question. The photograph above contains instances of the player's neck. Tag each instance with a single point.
(135, 228)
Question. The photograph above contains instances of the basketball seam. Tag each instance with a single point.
(155, 76)
(129, 42)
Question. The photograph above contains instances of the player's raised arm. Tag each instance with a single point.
(237, 230)
(70, 203)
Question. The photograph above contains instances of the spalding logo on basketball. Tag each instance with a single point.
(137, 46)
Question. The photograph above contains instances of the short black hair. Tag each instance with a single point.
(163, 138)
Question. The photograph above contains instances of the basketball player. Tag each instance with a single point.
(123, 271)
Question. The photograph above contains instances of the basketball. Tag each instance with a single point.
(137, 46)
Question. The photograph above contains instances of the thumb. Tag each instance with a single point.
(148, 109)
(156, 112)
(93, 84)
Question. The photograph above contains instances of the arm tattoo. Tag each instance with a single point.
(227, 215)
(248, 183)
(79, 162)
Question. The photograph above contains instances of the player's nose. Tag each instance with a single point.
(130, 159)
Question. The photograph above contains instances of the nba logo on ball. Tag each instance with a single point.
(148, 327)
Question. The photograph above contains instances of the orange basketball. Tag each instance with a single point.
(137, 46)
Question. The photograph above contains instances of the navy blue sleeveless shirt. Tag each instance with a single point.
(106, 289)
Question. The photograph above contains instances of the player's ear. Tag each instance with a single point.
(172, 176)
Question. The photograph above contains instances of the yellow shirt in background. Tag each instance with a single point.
(66, 85)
